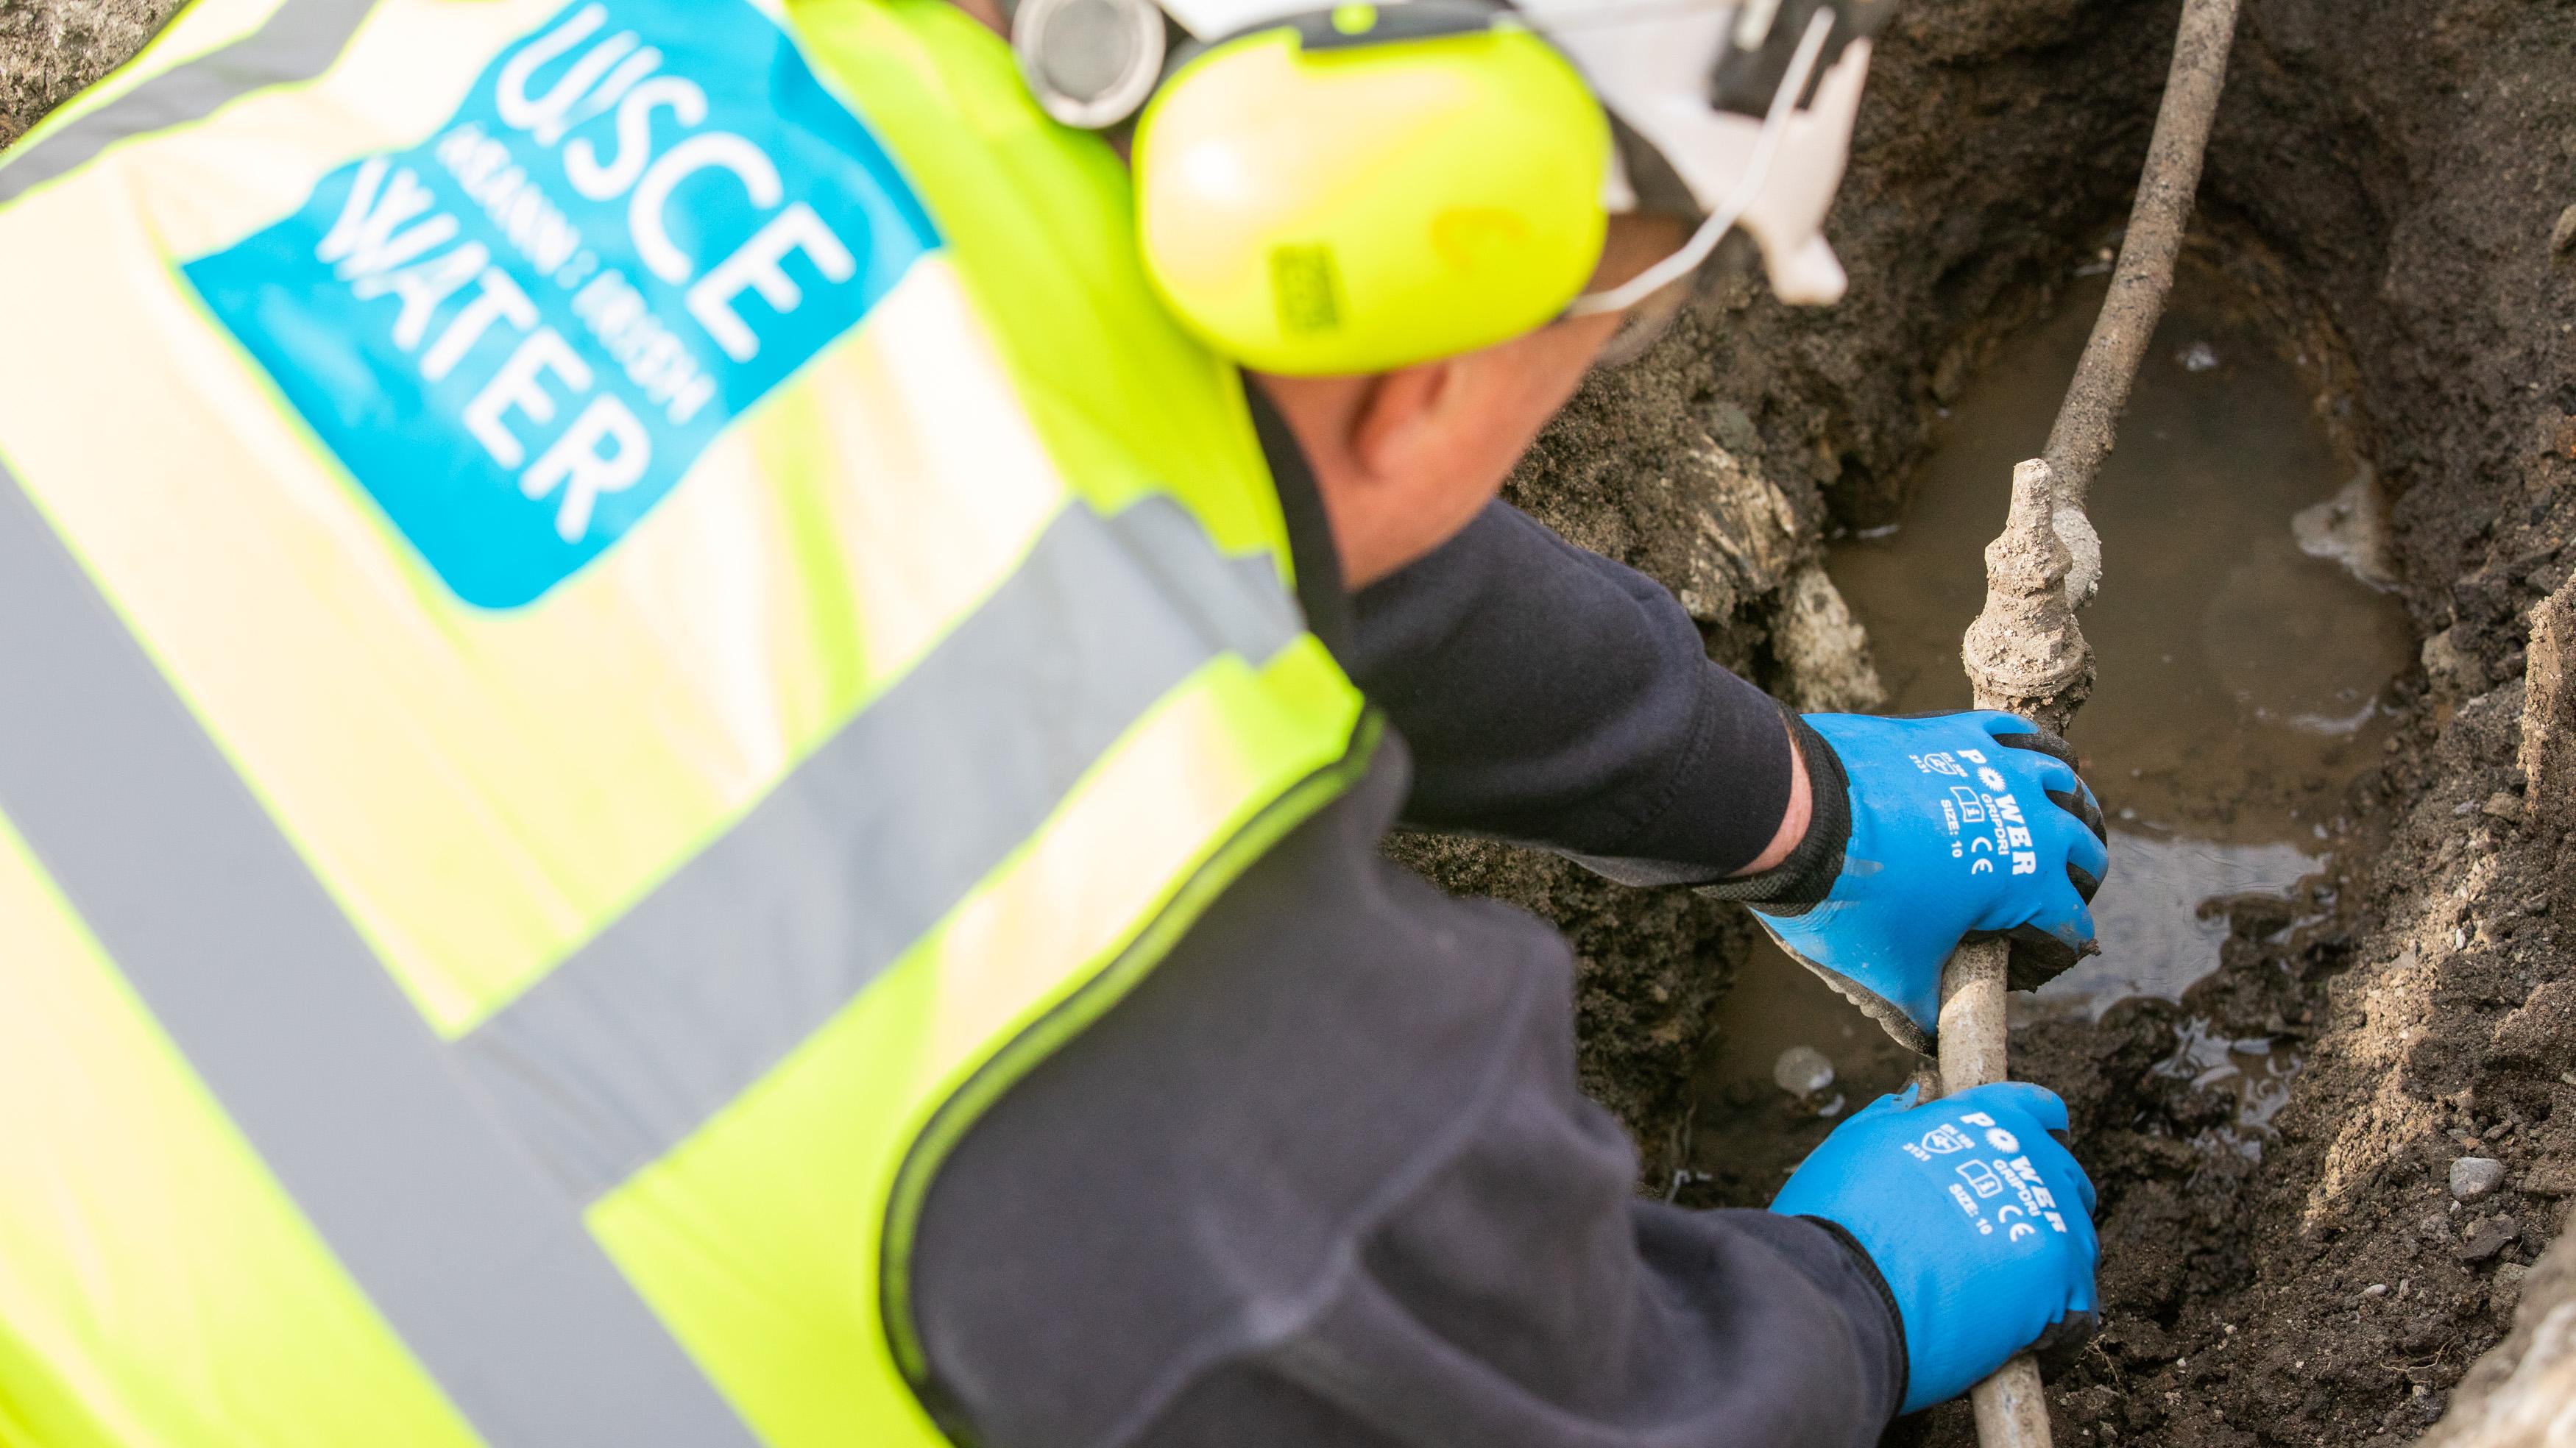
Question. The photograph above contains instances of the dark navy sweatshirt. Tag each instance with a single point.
(1324, 1177)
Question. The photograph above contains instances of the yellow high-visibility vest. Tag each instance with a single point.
(612, 615)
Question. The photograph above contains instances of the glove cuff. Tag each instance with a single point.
(1798, 883)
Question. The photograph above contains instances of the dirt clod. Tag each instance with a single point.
(2488, 1236)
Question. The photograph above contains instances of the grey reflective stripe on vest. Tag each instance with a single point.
(478, 1261)
(620, 1052)
(429, 1190)
(297, 42)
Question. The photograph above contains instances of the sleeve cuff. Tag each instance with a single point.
(1798, 883)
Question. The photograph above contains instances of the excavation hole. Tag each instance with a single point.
(2244, 642)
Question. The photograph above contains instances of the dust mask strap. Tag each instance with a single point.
(1784, 102)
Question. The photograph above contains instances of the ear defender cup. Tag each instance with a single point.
(1345, 193)
(1090, 63)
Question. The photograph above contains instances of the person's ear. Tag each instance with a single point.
(1470, 417)
(1407, 421)
(1405, 458)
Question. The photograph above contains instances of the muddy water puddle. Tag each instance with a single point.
(2242, 658)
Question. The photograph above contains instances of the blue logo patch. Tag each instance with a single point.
(520, 333)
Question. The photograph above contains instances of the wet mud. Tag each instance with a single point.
(2286, 1262)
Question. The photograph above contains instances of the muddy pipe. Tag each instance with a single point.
(2141, 280)
(2025, 654)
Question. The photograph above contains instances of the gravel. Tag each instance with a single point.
(2476, 1178)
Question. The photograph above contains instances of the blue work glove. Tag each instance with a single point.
(1929, 831)
(1978, 1221)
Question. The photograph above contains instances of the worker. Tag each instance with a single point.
(683, 763)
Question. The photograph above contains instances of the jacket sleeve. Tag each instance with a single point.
(1325, 1177)
(1556, 698)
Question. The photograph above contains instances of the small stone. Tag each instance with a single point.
(1802, 1071)
(2376, 1289)
(2476, 1178)
(2488, 1237)
(2563, 235)
(2503, 805)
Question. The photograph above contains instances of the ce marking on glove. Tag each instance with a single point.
(1942, 1140)
(2005, 833)
(1984, 1179)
